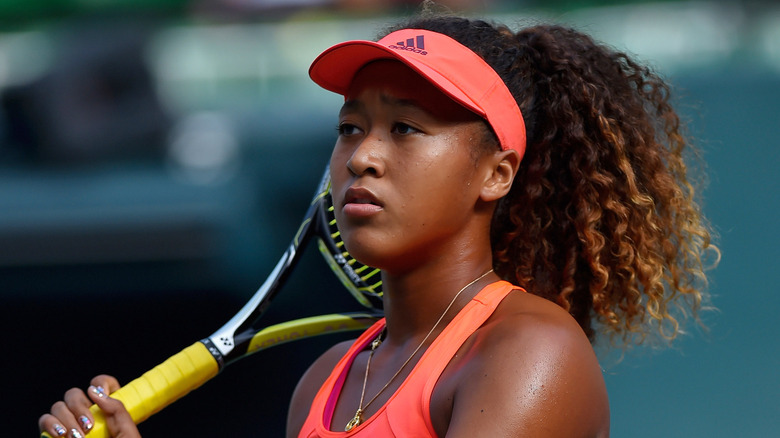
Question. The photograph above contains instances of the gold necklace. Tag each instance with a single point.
(358, 418)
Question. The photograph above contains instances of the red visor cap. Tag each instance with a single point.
(452, 67)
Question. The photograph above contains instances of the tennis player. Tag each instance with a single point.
(524, 194)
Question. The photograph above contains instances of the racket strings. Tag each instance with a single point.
(370, 283)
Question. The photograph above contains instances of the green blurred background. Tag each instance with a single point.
(156, 157)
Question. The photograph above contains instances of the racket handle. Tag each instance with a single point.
(160, 386)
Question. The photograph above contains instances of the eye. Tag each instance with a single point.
(347, 129)
(403, 129)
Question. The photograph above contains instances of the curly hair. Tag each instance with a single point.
(602, 217)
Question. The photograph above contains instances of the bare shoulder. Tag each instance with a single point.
(309, 385)
(533, 325)
(531, 365)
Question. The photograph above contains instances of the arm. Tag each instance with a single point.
(530, 374)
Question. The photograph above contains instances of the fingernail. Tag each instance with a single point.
(59, 430)
(98, 390)
(75, 433)
(85, 423)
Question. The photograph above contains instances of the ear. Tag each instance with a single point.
(501, 168)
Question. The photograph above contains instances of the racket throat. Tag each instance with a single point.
(215, 352)
(223, 347)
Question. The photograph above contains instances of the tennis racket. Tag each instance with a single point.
(243, 335)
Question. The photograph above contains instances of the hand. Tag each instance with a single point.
(71, 416)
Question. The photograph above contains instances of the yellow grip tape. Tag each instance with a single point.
(160, 386)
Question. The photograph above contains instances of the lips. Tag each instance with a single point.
(360, 195)
(359, 201)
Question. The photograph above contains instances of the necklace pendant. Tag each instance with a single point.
(355, 421)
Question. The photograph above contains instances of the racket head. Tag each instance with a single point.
(362, 281)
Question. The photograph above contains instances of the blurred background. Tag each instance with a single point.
(156, 156)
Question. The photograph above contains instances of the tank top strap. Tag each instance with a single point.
(468, 320)
(417, 390)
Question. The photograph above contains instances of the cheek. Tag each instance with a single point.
(338, 156)
(338, 166)
(437, 158)
(449, 166)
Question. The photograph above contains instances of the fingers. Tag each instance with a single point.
(118, 419)
(64, 421)
(72, 418)
(78, 405)
(110, 406)
(109, 383)
(52, 425)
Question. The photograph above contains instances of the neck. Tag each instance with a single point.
(415, 301)
(419, 288)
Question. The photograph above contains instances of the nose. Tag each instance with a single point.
(367, 157)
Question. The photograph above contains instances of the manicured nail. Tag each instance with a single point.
(98, 390)
(75, 434)
(85, 423)
(59, 430)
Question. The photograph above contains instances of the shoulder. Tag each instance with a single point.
(527, 328)
(532, 365)
(310, 384)
(533, 325)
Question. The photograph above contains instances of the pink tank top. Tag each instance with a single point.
(407, 412)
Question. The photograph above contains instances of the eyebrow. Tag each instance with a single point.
(350, 106)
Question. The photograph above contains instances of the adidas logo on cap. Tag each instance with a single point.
(416, 45)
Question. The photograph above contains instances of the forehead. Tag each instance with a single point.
(398, 84)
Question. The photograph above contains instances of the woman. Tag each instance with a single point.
(519, 192)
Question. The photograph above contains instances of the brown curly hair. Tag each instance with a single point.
(602, 217)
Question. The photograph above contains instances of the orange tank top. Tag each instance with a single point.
(407, 412)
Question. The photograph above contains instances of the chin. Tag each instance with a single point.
(366, 249)
(364, 254)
